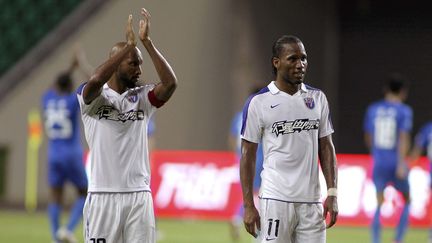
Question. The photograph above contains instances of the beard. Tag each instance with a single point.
(128, 82)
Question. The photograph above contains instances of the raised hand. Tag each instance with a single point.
(144, 25)
(130, 35)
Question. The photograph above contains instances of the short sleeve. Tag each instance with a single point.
(88, 108)
(326, 126)
(251, 128)
(407, 118)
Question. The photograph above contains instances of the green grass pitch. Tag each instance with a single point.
(20, 227)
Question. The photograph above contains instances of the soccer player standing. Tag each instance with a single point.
(293, 122)
(65, 154)
(387, 127)
(115, 112)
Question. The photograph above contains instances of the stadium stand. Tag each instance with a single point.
(31, 28)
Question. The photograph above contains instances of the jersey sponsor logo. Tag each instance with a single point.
(110, 113)
(287, 127)
(309, 102)
(273, 106)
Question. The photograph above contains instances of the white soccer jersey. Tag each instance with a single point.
(289, 126)
(116, 131)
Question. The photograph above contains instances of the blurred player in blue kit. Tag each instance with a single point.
(423, 143)
(387, 128)
(65, 153)
(234, 142)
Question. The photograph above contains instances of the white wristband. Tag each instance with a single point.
(332, 192)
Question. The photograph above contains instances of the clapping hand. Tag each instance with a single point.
(130, 35)
(144, 25)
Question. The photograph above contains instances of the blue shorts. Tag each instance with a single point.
(384, 176)
(67, 167)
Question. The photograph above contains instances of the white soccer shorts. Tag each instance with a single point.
(286, 222)
(119, 218)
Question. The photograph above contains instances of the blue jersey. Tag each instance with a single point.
(65, 154)
(385, 121)
(61, 119)
(423, 139)
(236, 125)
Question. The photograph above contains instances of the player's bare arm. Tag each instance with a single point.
(251, 217)
(105, 71)
(74, 64)
(404, 145)
(168, 84)
(82, 61)
(327, 156)
(368, 140)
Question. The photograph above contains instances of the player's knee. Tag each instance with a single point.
(56, 195)
(380, 199)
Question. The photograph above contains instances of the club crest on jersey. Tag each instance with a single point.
(132, 98)
(299, 125)
(309, 102)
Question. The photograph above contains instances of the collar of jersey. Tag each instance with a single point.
(274, 89)
(105, 86)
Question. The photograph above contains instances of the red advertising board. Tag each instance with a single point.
(357, 200)
(205, 185)
(195, 184)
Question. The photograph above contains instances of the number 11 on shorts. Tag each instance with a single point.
(273, 229)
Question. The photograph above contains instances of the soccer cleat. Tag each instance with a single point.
(65, 236)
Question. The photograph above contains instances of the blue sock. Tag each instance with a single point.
(376, 226)
(54, 211)
(403, 223)
(76, 213)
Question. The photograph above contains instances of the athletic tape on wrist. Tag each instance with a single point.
(332, 192)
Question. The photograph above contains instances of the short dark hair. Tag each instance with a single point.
(396, 83)
(278, 46)
(64, 81)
